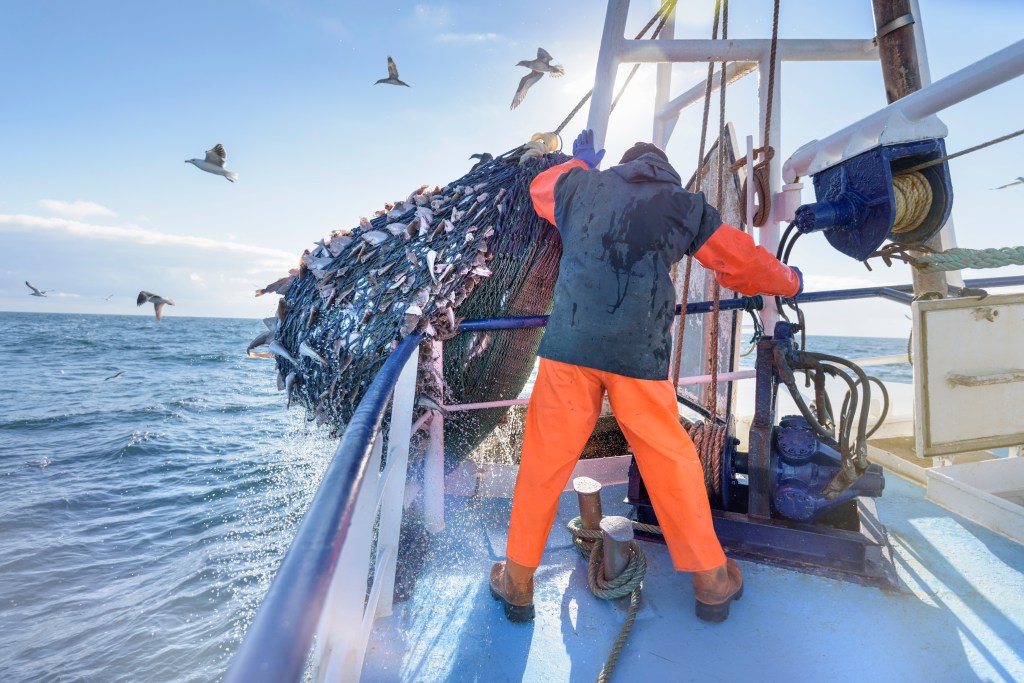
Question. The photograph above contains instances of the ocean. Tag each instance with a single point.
(142, 516)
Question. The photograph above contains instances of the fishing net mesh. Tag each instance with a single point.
(472, 249)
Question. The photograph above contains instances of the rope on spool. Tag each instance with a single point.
(914, 199)
(709, 440)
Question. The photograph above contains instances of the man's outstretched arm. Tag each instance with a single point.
(744, 267)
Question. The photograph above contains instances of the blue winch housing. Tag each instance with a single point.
(856, 203)
(803, 466)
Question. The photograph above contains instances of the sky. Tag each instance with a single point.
(102, 103)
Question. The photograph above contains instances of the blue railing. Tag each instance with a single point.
(278, 642)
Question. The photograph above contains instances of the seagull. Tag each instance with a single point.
(114, 376)
(214, 162)
(484, 158)
(392, 78)
(107, 298)
(36, 292)
(1018, 181)
(538, 67)
(157, 301)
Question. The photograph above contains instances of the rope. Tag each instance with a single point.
(935, 162)
(709, 439)
(629, 582)
(698, 179)
(913, 195)
(959, 258)
(762, 171)
(663, 13)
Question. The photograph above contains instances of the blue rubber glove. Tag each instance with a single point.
(800, 276)
(583, 149)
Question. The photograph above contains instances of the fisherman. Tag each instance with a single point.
(609, 331)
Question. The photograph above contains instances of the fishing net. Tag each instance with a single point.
(472, 249)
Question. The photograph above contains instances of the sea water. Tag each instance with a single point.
(142, 516)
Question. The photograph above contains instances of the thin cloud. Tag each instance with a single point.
(75, 209)
(432, 15)
(468, 37)
(136, 235)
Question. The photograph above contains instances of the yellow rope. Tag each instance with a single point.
(913, 201)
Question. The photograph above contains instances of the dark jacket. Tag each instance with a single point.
(622, 229)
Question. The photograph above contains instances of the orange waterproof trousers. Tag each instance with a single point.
(563, 411)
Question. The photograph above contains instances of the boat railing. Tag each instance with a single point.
(319, 609)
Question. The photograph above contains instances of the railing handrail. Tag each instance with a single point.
(277, 643)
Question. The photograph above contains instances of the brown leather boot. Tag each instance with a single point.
(512, 584)
(715, 589)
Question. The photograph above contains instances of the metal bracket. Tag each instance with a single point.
(897, 23)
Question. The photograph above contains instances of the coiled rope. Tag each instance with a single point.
(629, 582)
(914, 198)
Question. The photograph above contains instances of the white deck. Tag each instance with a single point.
(959, 615)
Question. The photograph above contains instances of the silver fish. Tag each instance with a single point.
(261, 339)
(308, 351)
(431, 258)
(374, 237)
(278, 350)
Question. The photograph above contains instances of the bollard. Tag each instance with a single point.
(589, 493)
(617, 533)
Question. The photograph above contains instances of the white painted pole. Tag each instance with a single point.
(393, 495)
(339, 653)
(734, 71)
(607, 66)
(745, 50)
(663, 125)
(433, 467)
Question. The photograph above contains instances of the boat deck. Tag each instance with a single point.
(958, 616)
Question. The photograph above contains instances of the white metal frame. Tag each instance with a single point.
(616, 50)
(348, 613)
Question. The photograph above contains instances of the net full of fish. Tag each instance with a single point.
(472, 249)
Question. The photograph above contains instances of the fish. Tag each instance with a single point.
(261, 339)
(278, 350)
(308, 351)
(374, 237)
(430, 404)
(431, 257)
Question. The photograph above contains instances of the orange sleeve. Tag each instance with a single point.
(542, 189)
(744, 267)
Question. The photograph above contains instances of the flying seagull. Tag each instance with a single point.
(157, 301)
(107, 298)
(538, 67)
(392, 78)
(214, 162)
(1018, 181)
(484, 158)
(36, 292)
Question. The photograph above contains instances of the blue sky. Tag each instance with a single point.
(104, 101)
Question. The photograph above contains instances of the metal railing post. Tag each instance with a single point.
(607, 66)
(393, 495)
(433, 466)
